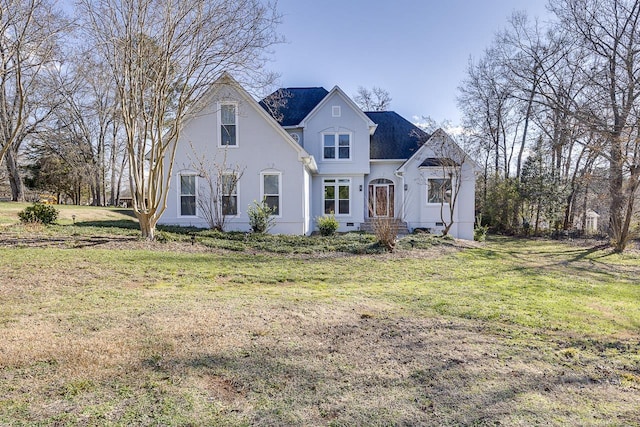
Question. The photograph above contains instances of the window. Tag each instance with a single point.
(337, 196)
(336, 146)
(229, 183)
(271, 191)
(228, 131)
(336, 111)
(188, 195)
(439, 191)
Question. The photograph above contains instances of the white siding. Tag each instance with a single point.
(260, 147)
(421, 214)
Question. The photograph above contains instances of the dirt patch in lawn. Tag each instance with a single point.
(345, 364)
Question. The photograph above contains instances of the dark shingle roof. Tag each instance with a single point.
(296, 103)
(439, 161)
(395, 137)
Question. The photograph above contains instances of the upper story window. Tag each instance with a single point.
(336, 111)
(187, 195)
(439, 190)
(336, 146)
(271, 185)
(228, 125)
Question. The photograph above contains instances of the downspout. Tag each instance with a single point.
(402, 191)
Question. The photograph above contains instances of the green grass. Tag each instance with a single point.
(84, 215)
(515, 332)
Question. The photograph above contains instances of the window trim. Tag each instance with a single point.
(443, 202)
(262, 195)
(336, 111)
(237, 194)
(336, 184)
(180, 194)
(220, 124)
(336, 147)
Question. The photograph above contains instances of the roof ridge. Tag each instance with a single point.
(303, 87)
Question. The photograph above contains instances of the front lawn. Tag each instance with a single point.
(100, 328)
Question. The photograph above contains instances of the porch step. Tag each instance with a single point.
(399, 226)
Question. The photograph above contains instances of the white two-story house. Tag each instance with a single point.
(314, 152)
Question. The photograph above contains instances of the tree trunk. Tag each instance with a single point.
(537, 226)
(112, 164)
(147, 225)
(568, 211)
(628, 209)
(15, 180)
(120, 174)
(96, 187)
(616, 180)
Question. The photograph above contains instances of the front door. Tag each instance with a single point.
(381, 197)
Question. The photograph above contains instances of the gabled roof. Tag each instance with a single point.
(297, 103)
(227, 79)
(441, 138)
(395, 137)
(336, 91)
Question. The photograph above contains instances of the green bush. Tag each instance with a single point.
(261, 217)
(327, 225)
(39, 213)
(480, 233)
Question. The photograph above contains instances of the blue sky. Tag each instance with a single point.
(418, 50)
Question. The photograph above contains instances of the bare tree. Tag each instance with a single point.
(491, 120)
(453, 162)
(164, 55)
(30, 32)
(79, 130)
(376, 99)
(275, 102)
(609, 32)
(218, 191)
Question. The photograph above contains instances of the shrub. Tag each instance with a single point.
(39, 213)
(327, 225)
(260, 217)
(480, 233)
(386, 231)
(163, 237)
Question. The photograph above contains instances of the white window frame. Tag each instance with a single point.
(263, 195)
(181, 195)
(336, 111)
(439, 179)
(220, 124)
(336, 184)
(237, 194)
(336, 147)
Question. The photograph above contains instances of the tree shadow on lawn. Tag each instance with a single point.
(400, 371)
(571, 260)
(132, 224)
(75, 242)
(129, 224)
(127, 212)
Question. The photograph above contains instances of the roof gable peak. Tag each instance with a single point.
(339, 92)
